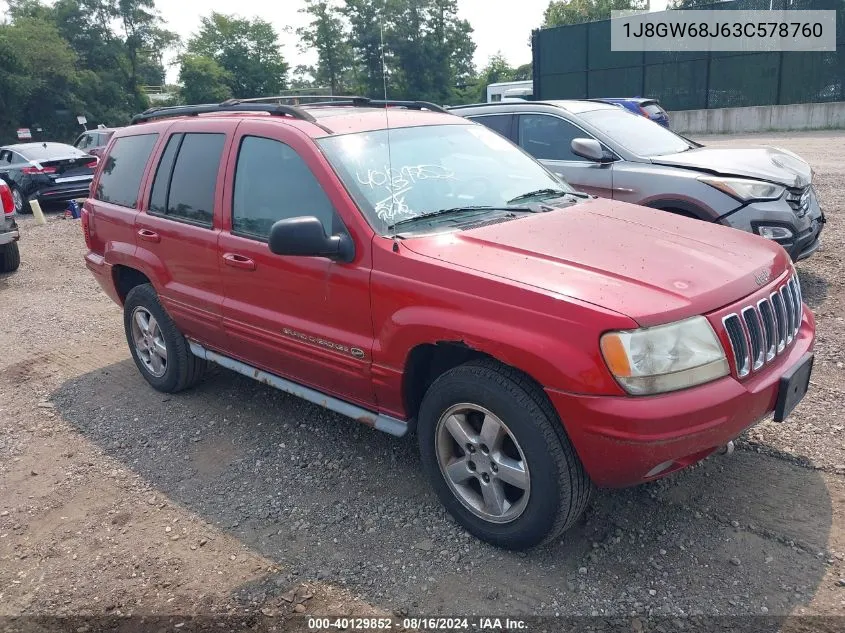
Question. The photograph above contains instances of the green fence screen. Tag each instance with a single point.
(575, 62)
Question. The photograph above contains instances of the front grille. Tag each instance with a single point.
(760, 332)
(799, 199)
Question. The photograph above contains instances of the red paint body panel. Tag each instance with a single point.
(620, 440)
(535, 293)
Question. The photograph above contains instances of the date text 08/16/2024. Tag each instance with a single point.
(418, 624)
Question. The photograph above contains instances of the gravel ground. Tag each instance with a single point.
(236, 499)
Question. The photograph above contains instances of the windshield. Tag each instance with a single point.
(635, 133)
(432, 168)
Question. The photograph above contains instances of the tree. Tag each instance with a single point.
(326, 34)
(203, 80)
(248, 50)
(561, 12)
(366, 19)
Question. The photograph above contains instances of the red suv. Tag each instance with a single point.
(414, 270)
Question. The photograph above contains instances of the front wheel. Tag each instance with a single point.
(498, 458)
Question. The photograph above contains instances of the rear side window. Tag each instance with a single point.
(653, 108)
(500, 123)
(186, 178)
(273, 183)
(120, 179)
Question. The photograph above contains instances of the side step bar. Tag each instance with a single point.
(378, 421)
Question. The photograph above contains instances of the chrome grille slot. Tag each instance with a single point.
(789, 310)
(796, 299)
(760, 332)
(754, 325)
(780, 320)
(739, 344)
(770, 331)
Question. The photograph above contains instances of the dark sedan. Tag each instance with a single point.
(46, 172)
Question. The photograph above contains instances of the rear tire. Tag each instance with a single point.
(159, 349)
(21, 205)
(532, 473)
(10, 257)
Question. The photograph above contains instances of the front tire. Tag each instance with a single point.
(158, 348)
(498, 458)
(10, 258)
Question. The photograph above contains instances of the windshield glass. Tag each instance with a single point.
(636, 133)
(432, 168)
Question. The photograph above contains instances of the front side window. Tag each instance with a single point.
(432, 168)
(121, 177)
(548, 137)
(186, 178)
(273, 183)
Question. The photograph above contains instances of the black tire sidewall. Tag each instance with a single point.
(522, 416)
(10, 257)
(145, 296)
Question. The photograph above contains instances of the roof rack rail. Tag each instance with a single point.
(231, 105)
(279, 98)
(366, 102)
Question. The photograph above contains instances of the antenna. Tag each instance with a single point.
(387, 129)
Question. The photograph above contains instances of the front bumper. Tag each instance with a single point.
(806, 230)
(624, 441)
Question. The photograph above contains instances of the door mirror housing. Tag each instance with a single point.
(590, 149)
(304, 236)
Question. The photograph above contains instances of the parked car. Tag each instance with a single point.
(10, 257)
(609, 152)
(649, 108)
(46, 172)
(430, 275)
(94, 141)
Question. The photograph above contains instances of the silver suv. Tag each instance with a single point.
(612, 153)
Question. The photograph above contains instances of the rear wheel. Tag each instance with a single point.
(498, 457)
(10, 257)
(157, 346)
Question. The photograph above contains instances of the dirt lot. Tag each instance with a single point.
(236, 499)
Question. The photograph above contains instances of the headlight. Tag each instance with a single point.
(666, 357)
(745, 190)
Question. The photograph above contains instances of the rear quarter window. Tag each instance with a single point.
(123, 170)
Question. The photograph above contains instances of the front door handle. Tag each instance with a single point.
(238, 261)
(149, 236)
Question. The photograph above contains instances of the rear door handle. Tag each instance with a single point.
(238, 261)
(149, 236)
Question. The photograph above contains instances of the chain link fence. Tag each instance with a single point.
(576, 62)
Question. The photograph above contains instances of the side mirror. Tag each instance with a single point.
(590, 149)
(304, 236)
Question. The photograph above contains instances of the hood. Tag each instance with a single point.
(765, 163)
(649, 265)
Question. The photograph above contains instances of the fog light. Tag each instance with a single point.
(775, 232)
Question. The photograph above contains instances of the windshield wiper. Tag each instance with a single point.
(557, 193)
(438, 212)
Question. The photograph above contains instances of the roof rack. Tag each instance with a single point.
(280, 98)
(366, 102)
(231, 105)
